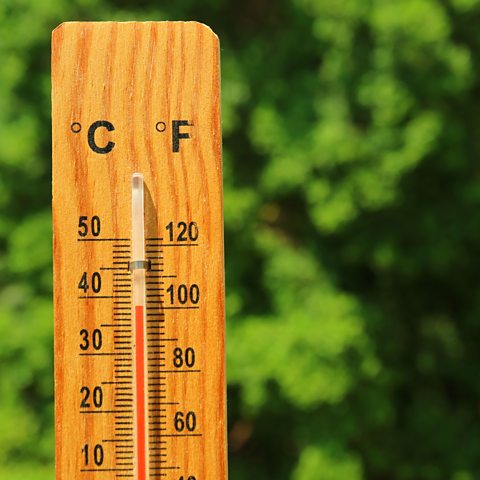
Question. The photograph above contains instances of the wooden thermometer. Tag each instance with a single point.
(138, 252)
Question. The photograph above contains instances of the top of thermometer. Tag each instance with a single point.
(138, 252)
(138, 223)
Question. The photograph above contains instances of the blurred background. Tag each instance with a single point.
(352, 229)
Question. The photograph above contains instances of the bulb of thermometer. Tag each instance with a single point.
(138, 252)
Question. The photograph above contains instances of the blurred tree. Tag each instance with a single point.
(352, 216)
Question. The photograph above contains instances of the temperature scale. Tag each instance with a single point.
(138, 252)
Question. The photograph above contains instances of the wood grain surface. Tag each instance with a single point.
(137, 97)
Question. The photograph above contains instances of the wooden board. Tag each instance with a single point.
(138, 97)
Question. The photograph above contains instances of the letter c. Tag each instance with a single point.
(91, 136)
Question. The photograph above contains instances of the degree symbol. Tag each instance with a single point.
(160, 126)
(75, 127)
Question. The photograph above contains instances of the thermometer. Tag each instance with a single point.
(138, 252)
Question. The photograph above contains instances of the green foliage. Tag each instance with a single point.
(33, 472)
(352, 229)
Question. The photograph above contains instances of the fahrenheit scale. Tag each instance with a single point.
(138, 252)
